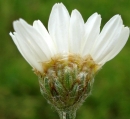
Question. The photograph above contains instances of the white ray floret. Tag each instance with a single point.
(92, 30)
(58, 27)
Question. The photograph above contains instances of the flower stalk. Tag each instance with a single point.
(67, 114)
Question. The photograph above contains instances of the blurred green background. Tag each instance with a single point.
(20, 97)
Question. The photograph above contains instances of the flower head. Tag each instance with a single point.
(69, 34)
(67, 56)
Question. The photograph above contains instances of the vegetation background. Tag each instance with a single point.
(20, 97)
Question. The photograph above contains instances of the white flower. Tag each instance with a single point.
(67, 56)
(69, 34)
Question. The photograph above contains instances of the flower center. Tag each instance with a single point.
(59, 62)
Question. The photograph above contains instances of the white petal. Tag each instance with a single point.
(92, 29)
(76, 32)
(58, 27)
(26, 52)
(30, 40)
(107, 38)
(44, 33)
(123, 37)
(34, 40)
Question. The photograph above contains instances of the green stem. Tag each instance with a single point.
(67, 114)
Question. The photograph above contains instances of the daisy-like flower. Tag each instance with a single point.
(67, 56)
